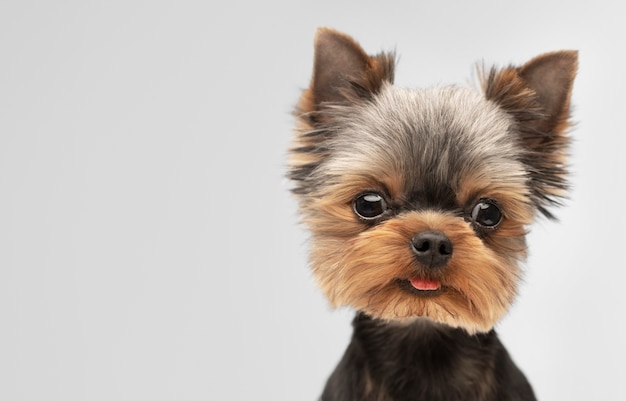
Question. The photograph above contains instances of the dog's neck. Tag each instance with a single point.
(422, 360)
(428, 358)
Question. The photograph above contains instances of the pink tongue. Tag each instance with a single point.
(423, 284)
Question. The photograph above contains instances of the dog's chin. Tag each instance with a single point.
(430, 302)
(428, 290)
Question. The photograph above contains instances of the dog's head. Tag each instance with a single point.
(418, 200)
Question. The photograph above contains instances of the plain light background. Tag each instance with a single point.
(149, 248)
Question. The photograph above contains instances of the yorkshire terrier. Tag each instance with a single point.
(418, 203)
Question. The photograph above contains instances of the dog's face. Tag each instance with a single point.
(418, 200)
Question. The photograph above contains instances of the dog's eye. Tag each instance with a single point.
(370, 206)
(486, 214)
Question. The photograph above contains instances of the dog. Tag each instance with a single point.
(417, 202)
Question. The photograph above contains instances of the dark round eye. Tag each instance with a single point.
(369, 206)
(486, 214)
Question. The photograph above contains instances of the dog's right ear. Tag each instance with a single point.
(343, 72)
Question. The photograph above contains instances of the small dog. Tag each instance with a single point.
(418, 202)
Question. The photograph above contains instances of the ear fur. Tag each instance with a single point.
(537, 95)
(343, 72)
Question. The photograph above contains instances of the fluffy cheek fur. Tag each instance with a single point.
(363, 271)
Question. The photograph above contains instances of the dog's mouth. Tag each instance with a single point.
(421, 286)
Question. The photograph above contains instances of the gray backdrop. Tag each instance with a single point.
(149, 248)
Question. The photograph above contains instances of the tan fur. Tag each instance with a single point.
(479, 282)
(360, 267)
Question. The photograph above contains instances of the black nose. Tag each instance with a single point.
(432, 248)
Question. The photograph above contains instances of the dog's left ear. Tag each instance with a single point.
(537, 96)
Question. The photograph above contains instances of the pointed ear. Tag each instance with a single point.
(538, 93)
(551, 77)
(343, 72)
(537, 96)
